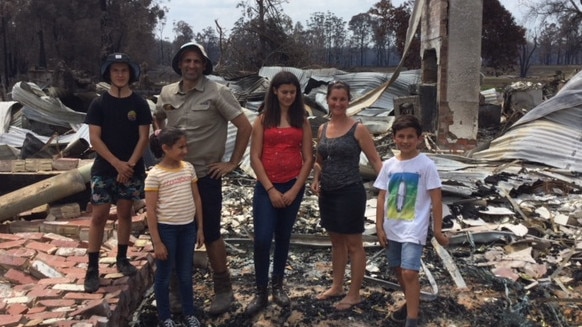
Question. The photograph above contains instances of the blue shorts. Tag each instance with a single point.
(404, 255)
(106, 190)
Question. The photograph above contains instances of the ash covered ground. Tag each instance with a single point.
(487, 301)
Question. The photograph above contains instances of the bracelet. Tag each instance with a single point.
(270, 188)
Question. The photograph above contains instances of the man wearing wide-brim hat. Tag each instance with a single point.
(203, 108)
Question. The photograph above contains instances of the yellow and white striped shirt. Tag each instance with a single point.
(175, 199)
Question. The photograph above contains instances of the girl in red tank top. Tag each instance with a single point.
(282, 158)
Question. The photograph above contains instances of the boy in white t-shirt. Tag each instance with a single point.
(409, 184)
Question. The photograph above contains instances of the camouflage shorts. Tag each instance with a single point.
(106, 190)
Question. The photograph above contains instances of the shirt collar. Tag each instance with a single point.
(199, 86)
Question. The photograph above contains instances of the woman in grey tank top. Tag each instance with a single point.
(342, 197)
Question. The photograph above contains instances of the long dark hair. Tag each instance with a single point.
(167, 136)
(271, 108)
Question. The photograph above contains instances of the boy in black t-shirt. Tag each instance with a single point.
(119, 123)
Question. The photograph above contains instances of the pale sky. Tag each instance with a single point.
(203, 13)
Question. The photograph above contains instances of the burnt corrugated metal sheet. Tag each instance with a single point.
(550, 133)
(42, 108)
(302, 75)
(6, 109)
(374, 114)
(248, 90)
(314, 83)
(245, 164)
(16, 135)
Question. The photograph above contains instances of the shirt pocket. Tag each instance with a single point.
(197, 115)
(201, 106)
(173, 104)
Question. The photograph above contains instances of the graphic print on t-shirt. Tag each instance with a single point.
(402, 190)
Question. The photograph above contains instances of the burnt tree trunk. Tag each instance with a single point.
(41, 51)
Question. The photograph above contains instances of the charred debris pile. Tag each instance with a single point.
(513, 210)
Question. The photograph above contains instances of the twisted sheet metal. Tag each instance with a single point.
(550, 133)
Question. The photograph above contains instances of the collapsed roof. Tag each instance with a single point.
(549, 134)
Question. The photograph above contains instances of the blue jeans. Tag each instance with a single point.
(269, 220)
(179, 241)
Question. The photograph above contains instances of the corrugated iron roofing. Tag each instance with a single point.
(550, 133)
(302, 75)
(6, 111)
(42, 108)
(16, 135)
(360, 84)
(249, 90)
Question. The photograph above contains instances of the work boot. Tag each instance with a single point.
(259, 302)
(124, 267)
(92, 280)
(279, 295)
(223, 296)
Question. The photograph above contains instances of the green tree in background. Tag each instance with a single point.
(502, 38)
(398, 23)
(381, 14)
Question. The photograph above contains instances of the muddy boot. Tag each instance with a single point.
(279, 295)
(259, 302)
(223, 296)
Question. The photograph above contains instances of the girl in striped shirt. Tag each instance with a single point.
(174, 216)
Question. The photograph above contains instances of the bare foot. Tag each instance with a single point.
(328, 294)
(347, 303)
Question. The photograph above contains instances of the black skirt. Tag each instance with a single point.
(343, 210)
